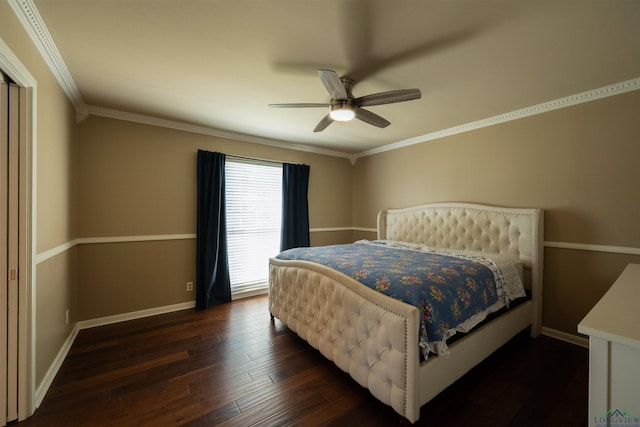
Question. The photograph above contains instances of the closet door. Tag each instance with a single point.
(4, 242)
(9, 249)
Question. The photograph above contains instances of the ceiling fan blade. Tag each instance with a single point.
(302, 105)
(371, 118)
(388, 97)
(322, 125)
(334, 85)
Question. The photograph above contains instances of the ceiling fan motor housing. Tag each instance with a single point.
(348, 86)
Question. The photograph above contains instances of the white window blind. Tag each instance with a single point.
(254, 205)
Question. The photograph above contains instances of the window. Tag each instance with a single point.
(254, 206)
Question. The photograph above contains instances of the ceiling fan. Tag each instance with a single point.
(344, 106)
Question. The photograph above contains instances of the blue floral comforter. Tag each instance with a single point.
(453, 290)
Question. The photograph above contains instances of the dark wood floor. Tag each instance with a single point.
(231, 365)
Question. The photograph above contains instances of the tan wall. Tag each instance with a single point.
(55, 215)
(323, 238)
(139, 180)
(580, 164)
(55, 293)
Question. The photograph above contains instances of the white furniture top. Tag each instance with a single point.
(616, 317)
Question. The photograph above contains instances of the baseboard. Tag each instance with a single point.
(49, 376)
(108, 320)
(564, 336)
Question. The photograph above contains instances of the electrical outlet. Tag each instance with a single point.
(189, 286)
(66, 316)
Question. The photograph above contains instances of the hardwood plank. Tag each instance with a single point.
(78, 386)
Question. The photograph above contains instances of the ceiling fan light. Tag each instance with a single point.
(342, 112)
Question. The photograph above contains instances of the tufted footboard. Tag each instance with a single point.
(370, 336)
(375, 338)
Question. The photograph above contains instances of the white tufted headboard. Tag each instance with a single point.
(467, 226)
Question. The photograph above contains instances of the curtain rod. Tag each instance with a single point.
(255, 159)
(252, 159)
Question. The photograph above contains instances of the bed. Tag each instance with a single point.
(375, 338)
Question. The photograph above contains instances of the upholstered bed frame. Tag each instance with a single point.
(374, 337)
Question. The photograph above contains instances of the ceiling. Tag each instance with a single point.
(219, 63)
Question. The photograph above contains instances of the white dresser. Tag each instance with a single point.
(613, 326)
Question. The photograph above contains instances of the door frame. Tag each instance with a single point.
(13, 67)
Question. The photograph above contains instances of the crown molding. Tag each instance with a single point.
(580, 98)
(588, 96)
(31, 20)
(205, 130)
